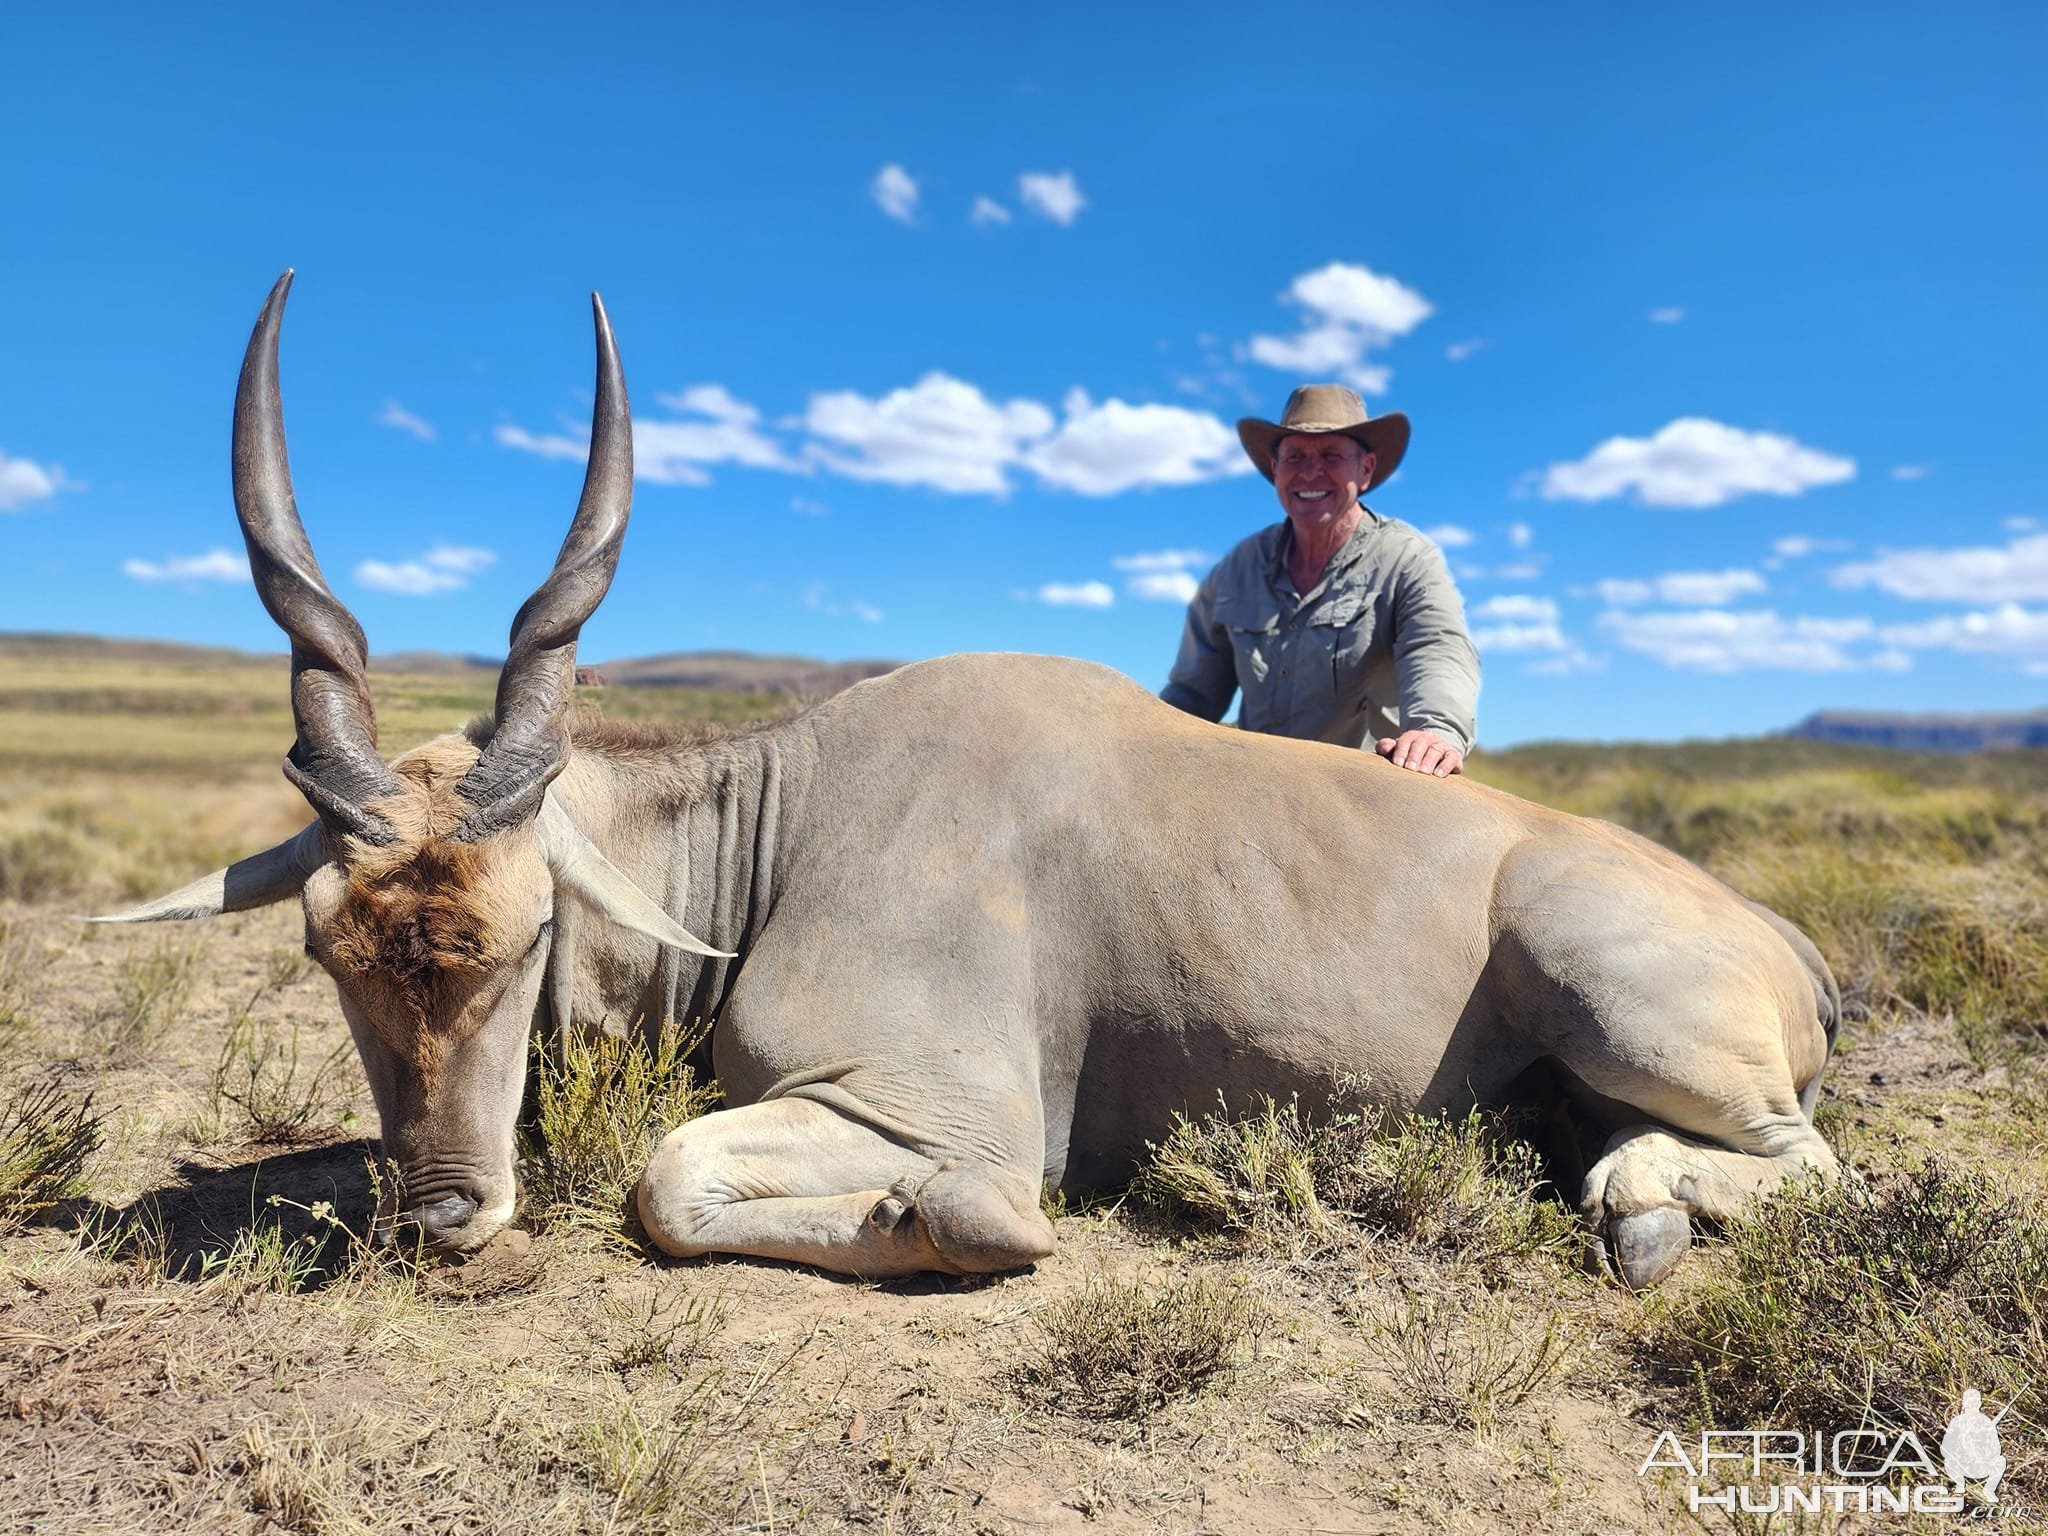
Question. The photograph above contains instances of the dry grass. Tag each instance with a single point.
(1463, 1358)
(47, 1136)
(1120, 1349)
(1879, 1299)
(197, 1358)
(1464, 1187)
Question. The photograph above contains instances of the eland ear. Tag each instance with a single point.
(592, 878)
(257, 881)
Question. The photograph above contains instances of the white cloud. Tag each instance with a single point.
(895, 192)
(549, 445)
(1682, 589)
(1724, 640)
(727, 431)
(808, 507)
(1979, 574)
(1669, 314)
(1164, 586)
(1694, 462)
(1101, 450)
(1518, 622)
(944, 433)
(444, 568)
(23, 481)
(1521, 535)
(2019, 524)
(987, 210)
(395, 415)
(1164, 560)
(1797, 546)
(1911, 471)
(214, 565)
(1458, 351)
(1078, 594)
(817, 598)
(1056, 197)
(716, 428)
(1449, 536)
(940, 432)
(2007, 630)
(1348, 311)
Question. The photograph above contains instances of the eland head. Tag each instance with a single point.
(429, 884)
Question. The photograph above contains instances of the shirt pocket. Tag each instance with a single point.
(1348, 628)
(1254, 628)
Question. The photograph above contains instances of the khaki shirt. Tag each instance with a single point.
(1376, 647)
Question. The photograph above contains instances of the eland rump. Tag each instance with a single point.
(984, 922)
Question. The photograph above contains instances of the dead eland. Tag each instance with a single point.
(985, 922)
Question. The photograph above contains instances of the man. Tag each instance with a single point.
(1338, 624)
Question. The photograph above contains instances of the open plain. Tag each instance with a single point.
(1377, 1327)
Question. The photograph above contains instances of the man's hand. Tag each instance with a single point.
(1420, 752)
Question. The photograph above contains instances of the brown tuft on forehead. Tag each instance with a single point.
(423, 918)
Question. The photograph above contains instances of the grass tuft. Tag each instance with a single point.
(1463, 1360)
(600, 1104)
(46, 1137)
(151, 990)
(1121, 1349)
(1878, 1299)
(1463, 1187)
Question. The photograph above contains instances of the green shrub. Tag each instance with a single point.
(1879, 1298)
(600, 1103)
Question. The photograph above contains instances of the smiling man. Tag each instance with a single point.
(1338, 624)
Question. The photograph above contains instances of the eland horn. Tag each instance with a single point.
(334, 762)
(531, 741)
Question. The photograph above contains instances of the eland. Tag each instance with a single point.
(980, 924)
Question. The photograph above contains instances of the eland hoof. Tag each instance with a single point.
(1646, 1246)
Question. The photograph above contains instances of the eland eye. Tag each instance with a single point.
(547, 926)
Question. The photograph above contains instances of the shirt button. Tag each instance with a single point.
(1283, 671)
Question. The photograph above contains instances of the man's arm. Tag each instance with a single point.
(1437, 668)
(1205, 672)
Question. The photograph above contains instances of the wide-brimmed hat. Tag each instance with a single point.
(1328, 408)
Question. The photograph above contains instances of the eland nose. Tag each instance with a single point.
(440, 1219)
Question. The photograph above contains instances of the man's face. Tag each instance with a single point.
(1320, 476)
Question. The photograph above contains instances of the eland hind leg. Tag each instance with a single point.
(1694, 1026)
(795, 1179)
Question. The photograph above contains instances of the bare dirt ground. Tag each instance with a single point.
(198, 1346)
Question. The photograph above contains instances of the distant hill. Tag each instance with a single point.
(1925, 733)
(741, 672)
(726, 671)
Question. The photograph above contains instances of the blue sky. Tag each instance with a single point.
(1719, 327)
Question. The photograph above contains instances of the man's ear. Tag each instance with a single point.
(592, 878)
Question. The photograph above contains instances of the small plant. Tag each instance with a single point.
(40, 861)
(259, 1074)
(1879, 1298)
(668, 1332)
(262, 1259)
(1255, 1172)
(45, 1139)
(1122, 1349)
(151, 991)
(600, 1103)
(1462, 1186)
(1463, 1360)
